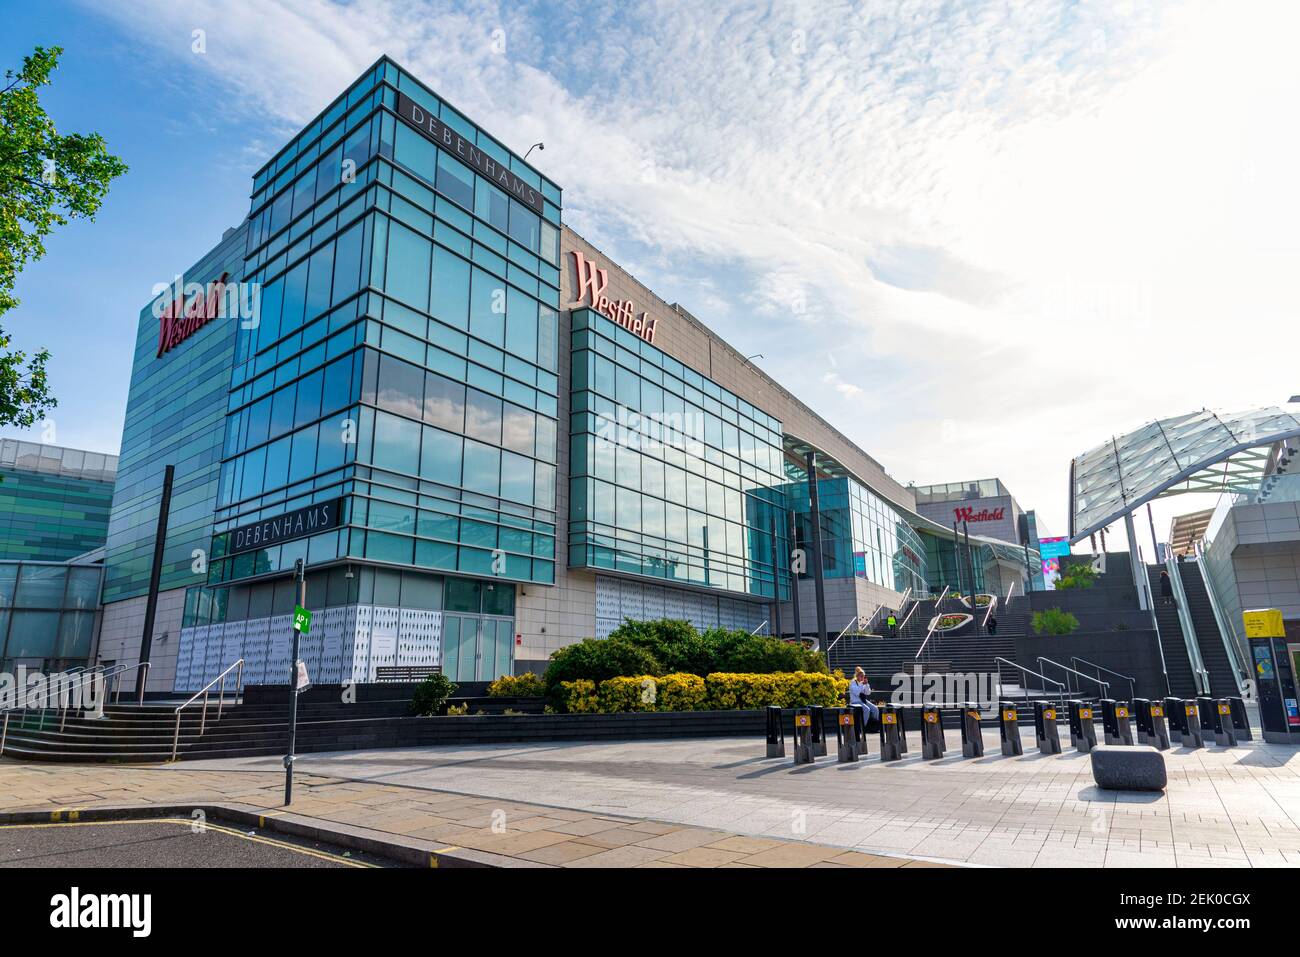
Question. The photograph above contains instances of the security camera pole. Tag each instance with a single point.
(301, 623)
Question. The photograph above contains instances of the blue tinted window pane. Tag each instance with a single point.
(450, 300)
(332, 448)
(401, 387)
(397, 444)
(254, 465)
(295, 298)
(525, 226)
(407, 275)
(338, 384)
(482, 468)
(415, 152)
(492, 204)
(389, 548)
(259, 420)
(444, 402)
(547, 325)
(277, 463)
(483, 416)
(440, 458)
(347, 264)
(487, 313)
(521, 325)
(516, 478)
(455, 181)
(282, 411)
(309, 393)
(302, 458)
(518, 428)
(268, 322)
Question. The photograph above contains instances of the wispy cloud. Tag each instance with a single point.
(1018, 227)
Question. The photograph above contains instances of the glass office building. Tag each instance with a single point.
(47, 614)
(54, 502)
(418, 399)
(671, 476)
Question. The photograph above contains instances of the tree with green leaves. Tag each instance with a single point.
(46, 179)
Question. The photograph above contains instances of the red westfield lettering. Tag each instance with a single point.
(968, 514)
(179, 321)
(592, 282)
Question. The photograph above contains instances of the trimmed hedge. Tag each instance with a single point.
(687, 692)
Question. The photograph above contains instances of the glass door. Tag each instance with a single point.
(477, 649)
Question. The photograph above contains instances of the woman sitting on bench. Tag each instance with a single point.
(859, 690)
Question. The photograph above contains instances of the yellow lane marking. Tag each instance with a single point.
(322, 855)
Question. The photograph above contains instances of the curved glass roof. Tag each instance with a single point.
(1198, 452)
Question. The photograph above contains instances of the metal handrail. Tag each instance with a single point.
(1155, 624)
(1237, 656)
(1027, 671)
(937, 615)
(856, 619)
(203, 692)
(79, 679)
(105, 674)
(761, 626)
(1076, 660)
(1191, 640)
(1103, 685)
(916, 603)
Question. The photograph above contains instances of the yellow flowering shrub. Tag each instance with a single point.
(580, 696)
(527, 685)
(788, 690)
(681, 692)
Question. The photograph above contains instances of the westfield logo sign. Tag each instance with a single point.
(178, 320)
(592, 282)
(968, 514)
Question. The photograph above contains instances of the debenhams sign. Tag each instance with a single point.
(469, 154)
(296, 524)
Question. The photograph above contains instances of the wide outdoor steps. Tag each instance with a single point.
(883, 658)
(131, 733)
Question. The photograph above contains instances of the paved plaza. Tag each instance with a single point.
(1223, 808)
(713, 802)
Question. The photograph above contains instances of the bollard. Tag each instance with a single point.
(1045, 730)
(972, 735)
(818, 730)
(1159, 733)
(1240, 720)
(803, 746)
(890, 732)
(1083, 729)
(1177, 716)
(932, 742)
(1123, 719)
(775, 733)
(1205, 707)
(859, 731)
(1142, 720)
(1109, 725)
(902, 729)
(1009, 724)
(1192, 725)
(844, 735)
(1225, 735)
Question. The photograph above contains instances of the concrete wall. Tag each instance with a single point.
(122, 625)
(1006, 529)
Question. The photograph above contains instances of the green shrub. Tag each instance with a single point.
(1053, 621)
(742, 653)
(527, 685)
(675, 644)
(431, 694)
(1076, 575)
(595, 659)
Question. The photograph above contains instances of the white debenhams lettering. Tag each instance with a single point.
(73, 910)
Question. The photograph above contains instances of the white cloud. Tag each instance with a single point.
(1020, 227)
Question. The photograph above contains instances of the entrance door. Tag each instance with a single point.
(476, 648)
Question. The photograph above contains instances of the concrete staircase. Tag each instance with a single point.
(144, 734)
(1207, 637)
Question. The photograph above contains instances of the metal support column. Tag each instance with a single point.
(818, 581)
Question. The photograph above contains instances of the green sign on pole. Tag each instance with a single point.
(301, 619)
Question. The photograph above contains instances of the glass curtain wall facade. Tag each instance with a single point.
(862, 535)
(174, 415)
(54, 502)
(405, 360)
(47, 614)
(672, 477)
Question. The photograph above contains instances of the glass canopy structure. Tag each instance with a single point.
(1198, 452)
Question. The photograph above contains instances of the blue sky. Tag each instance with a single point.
(979, 238)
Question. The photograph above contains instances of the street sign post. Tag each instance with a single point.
(297, 672)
